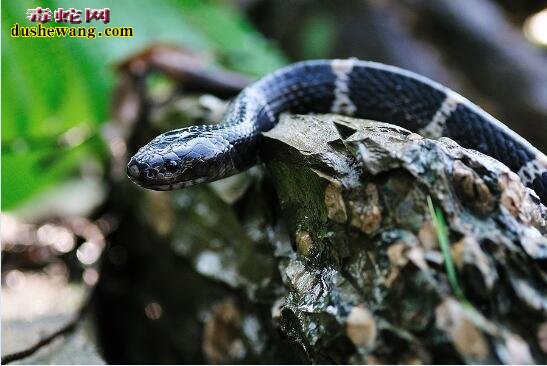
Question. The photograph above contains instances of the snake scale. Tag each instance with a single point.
(351, 87)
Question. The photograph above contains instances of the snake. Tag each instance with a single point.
(351, 87)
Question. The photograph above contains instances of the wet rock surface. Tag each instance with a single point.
(328, 253)
(379, 277)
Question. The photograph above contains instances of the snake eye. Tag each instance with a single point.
(171, 166)
(151, 173)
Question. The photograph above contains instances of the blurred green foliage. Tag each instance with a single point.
(317, 36)
(58, 87)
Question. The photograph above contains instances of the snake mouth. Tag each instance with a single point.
(172, 186)
(163, 186)
(152, 178)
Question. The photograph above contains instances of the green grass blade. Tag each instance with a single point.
(442, 235)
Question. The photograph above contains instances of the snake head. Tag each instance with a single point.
(181, 158)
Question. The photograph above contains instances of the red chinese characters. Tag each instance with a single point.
(42, 15)
(97, 14)
(71, 15)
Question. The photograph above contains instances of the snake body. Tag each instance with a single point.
(363, 89)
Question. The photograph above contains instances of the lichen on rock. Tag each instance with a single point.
(377, 288)
(328, 253)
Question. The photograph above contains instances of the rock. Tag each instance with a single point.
(328, 253)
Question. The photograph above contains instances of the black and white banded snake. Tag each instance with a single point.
(363, 89)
